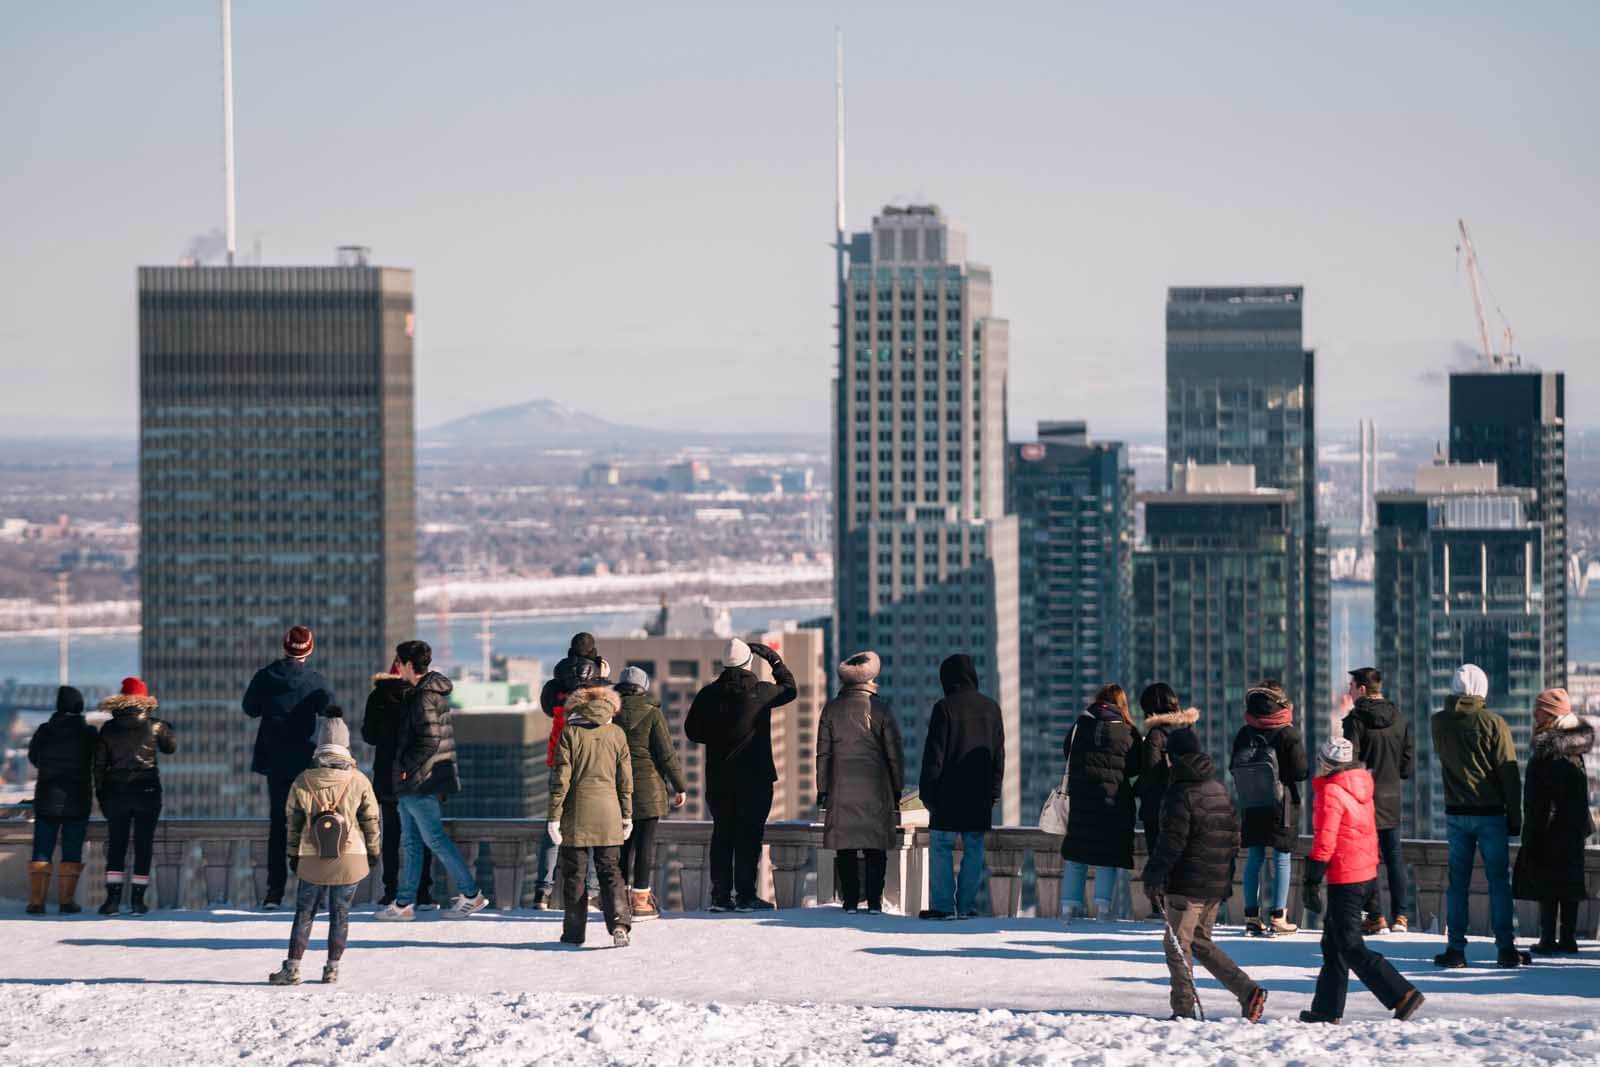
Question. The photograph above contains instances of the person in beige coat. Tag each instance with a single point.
(334, 842)
(591, 810)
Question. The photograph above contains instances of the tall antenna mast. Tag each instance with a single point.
(227, 130)
(838, 143)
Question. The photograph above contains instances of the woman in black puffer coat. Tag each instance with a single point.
(127, 780)
(1555, 822)
(1102, 751)
(63, 751)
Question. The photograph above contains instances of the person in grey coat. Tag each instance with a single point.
(860, 776)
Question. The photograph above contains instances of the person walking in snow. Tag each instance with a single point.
(655, 765)
(860, 776)
(1268, 764)
(1190, 874)
(1555, 822)
(127, 779)
(580, 668)
(286, 696)
(334, 825)
(591, 811)
(963, 767)
(1382, 740)
(1344, 850)
(1102, 754)
(1482, 811)
(380, 728)
(63, 751)
(1163, 715)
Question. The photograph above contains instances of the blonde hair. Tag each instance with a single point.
(1114, 695)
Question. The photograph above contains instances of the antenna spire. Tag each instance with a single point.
(231, 224)
(838, 134)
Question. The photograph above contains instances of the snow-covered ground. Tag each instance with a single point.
(792, 987)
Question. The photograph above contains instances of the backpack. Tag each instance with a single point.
(1255, 774)
(329, 827)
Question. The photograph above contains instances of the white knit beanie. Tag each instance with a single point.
(737, 654)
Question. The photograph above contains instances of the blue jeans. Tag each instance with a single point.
(945, 894)
(422, 823)
(1253, 862)
(308, 900)
(1486, 835)
(71, 831)
(1075, 886)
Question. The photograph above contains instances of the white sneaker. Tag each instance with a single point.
(461, 907)
(394, 913)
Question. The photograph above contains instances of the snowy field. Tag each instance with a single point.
(796, 987)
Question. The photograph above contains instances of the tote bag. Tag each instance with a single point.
(1053, 816)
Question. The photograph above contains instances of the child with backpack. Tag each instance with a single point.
(1268, 764)
(334, 822)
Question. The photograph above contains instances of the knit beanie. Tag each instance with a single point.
(134, 687)
(1470, 681)
(1554, 703)
(69, 700)
(334, 730)
(298, 642)
(1335, 753)
(1184, 742)
(634, 677)
(736, 654)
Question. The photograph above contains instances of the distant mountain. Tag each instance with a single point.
(545, 423)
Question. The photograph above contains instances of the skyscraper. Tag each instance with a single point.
(1241, 389)
(1516, 420)
(925, 555)
(1459, 579)
(1073, 500)
(1213, 592)
(276, 486)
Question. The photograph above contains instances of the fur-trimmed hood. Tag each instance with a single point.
(1560, 742)
(596, 703)
(124, 706)
(860, 670)
(1172, 720)
(385, 676)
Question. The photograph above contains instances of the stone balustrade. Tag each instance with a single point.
(221, 863)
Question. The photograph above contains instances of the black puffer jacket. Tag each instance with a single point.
(860, 770)
(287, 696)
(127, 753)
(380, 728)
(1152, 783)
(1556, 820)
(964, 759)
(732, 717)
(63, 751)
(425, 746)
(1102, 752)
(1199, 839)
(1278, 830)
(1382, 740)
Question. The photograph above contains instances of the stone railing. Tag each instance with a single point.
(216, 863)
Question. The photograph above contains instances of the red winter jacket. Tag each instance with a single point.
(559, 714)
(1345, 827)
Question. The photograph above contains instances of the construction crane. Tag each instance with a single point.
(1496, 360)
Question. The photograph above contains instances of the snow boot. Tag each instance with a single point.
(1255, 1006)
(1373, 924)
(1281, 925)
(644, 906)
(1313, 1017)
(539, 898)
(1399, 925)
(1508, 957)
(1255, 927)
(38, 886)
(288, 974)
(67, 888)
(330, 972)
(619, 937)
(136, 902)
(1451, 958)
(1546, 945)
(113, 902)
(1408, 1005)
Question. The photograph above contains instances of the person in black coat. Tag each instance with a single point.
(1102, 751)
(1381, 737)
(732, 717)
(1555, 822)
(963, 768)
(380, 728)
(1163, 714)
(1190, 874)
(860, 776)
(62, 749)
(127, 781)
(1275, 825)
(286, 696)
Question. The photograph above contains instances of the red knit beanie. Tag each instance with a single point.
(298, 642)
(134, 687)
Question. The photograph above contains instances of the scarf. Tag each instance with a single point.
(1275, 721)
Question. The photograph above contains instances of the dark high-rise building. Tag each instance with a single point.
(1241, 389)
(1516, 420)
(1213, 592)
(276, 486)
(1459, 579)
(1073, 500)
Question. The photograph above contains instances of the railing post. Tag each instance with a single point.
(693, 874)
(509, 857)
(1005, 877)
(166, 866)
(192, 895)
(1047, 868)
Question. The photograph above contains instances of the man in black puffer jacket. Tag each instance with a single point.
(63, 751)
(1191, 874)
(1381, 737)
(380, 728)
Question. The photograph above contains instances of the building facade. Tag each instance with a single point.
(1074, 504)
(276, 486)
(925, 554)
(1459, 579)
(500, 753)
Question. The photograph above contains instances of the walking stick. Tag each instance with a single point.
(1177, 948)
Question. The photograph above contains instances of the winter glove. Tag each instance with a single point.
(1311, 891)
(554, 830)
(294, 864)
(1513, 826)
(763, 652)
(627, 829)
(1158, 899)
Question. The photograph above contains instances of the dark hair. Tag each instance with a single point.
(1369, 678)
(1113, 694)
(333, 711)
(1266, 697)
(419, 654)
(1159, 699)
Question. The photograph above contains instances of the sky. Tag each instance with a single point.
(627, 207)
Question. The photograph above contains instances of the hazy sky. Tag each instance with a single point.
(627, 206)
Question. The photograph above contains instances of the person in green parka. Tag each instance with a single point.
(655, 766)
(591, 810)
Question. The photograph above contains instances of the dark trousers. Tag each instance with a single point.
(1394, 863)
(1558, 921)
(639, 854)
(135, 810)
(614, 904)
(71, 832)
(391, 856)
(278, 834)
(848, 864)
(310, 899)
(1344, 951)
(739, 813)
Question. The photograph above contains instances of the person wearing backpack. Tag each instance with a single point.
(1382, 740)
(1102, 752)
(1268, 764)
(334, 826)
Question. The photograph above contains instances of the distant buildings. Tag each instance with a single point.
(501, 752)
(687, 476)
(1075, 509)
(276, 482)
(601, 476)
(925, 554)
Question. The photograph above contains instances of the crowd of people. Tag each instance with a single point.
(614, 774)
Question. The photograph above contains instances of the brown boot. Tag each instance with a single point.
(644, 905)
(67, 888)
(38, 885)
(1399, 925)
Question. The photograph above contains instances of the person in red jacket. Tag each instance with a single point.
(1344, 850)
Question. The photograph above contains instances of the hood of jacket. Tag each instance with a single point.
(69, 701)
(1376, 713)
(283, 676)
(957, 674)
(1193, 767)
(434, 682)
(1104, 712)
(1464, 704)
(383, 676)
(1574, 741)
(1354, 779)
(597, 704)
(738, 679)
(636, 707)
(1172, 720)
(121, 706)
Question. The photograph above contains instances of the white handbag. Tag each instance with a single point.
(1053, 816)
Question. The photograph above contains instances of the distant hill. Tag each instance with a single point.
(545, 423)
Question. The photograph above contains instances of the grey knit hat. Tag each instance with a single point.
(636, 677)
(334, 731)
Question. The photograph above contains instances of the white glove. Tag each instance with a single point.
(554, 830)
(627, 829)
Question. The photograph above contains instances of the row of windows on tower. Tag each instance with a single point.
(908, 375)
(909, 496)
(909, 396)
(909, 455)
(908, 413)
(930, 313)
(951, 292)
(932, 336)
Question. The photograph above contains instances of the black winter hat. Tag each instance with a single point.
(583, 644)
(69, 700)
(1183, 742)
